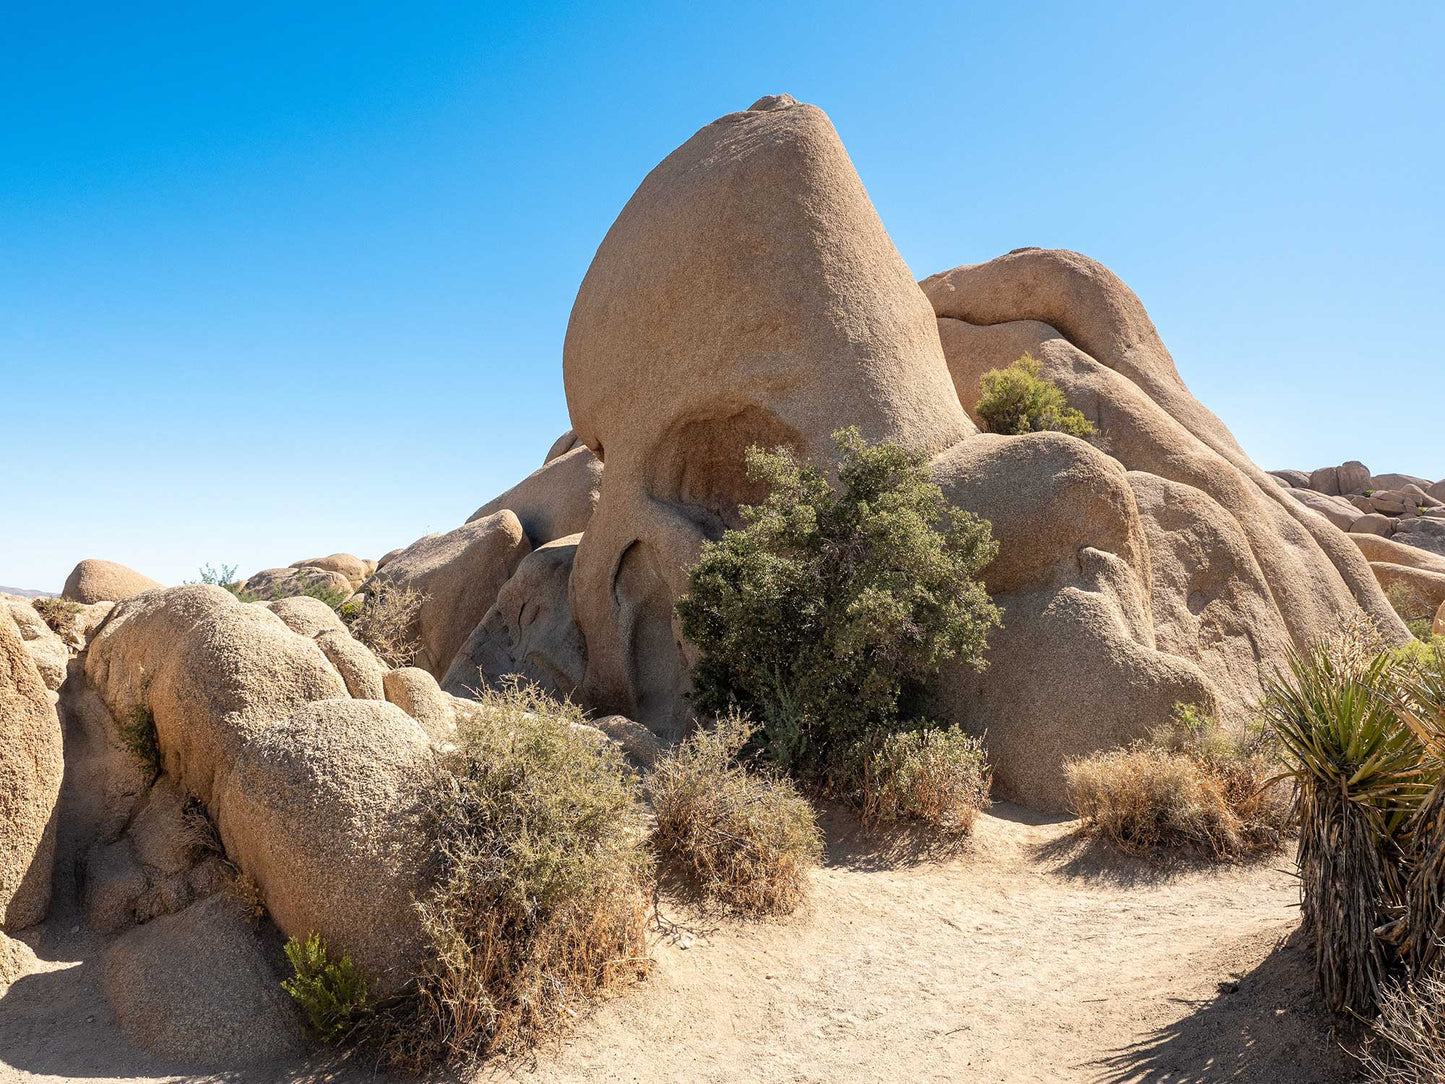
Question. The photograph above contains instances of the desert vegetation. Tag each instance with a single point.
(332, 993)
(384, 619)
(1188, 786)
(1019, 399)
(822, 616)
(542, 890)
(745, 834)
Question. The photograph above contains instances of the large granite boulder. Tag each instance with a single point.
(93, 580)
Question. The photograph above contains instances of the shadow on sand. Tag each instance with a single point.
(1265, 1025)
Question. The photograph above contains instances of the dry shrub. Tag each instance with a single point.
(1407, 1044)
(59, 614)
(541, 897)
(1186, 787)
(747, 837)
(386, 621)
(939, 776)
(1413, 608)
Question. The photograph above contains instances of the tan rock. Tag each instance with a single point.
(417, 693)
(1439, 628)
(1427, 587)
(746, 294)
(1396, 481)
(31, 766)
(359, 668)
(1374, 523)
(1326, 480)
(460, 572)
(94, 580)
(529, 631)
(46, 649)
(306, 616)
(1295, 479)
(1353, 477)
(355, 569)
(325, 810)
(202, 987)
(1386, 550)
(1337, 510)
(562, 445)
(1390, 502)
(555, 500)
(276, 583)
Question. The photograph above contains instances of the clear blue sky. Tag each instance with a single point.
(283, 279)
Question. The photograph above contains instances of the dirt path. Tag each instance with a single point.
(1030, 957)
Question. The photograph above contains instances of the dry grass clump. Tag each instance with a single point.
(1407, 1044)
(541, 897)
(747, 837)
(1414, 609)
(1186, 787)
(385, 621)
(59, 614)
(936, 775)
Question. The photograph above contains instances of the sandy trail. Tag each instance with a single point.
(1031, 956)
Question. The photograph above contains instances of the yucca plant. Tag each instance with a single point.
(1358, 775)
(1418, 697)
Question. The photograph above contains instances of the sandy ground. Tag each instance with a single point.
(1030, 956)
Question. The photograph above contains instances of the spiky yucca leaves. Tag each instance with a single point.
(1359, 778)
(1419, 697)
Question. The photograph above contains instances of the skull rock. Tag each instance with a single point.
(747, 294)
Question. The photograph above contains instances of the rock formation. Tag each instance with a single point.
(1402, 507)
(93, 580)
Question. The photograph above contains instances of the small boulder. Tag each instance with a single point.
(1335, 509)
(46, 649)
(562, 445)
(1353, 477)
(359, 668)
(104, 581)
(203, 986)
(355, 569)
(306, 616)
(31, 766)
(1392, 552)
(417, 693)
(1439, 629)
(1326, 480)
(1389, 501)
(1426, 532)
(1427, 587)
(1374, 523)
(1295, 479)
(1395, 481)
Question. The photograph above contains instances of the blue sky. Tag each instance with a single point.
(278, 280)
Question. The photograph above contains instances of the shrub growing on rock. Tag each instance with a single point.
(937, 775)
(59, 614)
(1019, 400)
(542, 885)
(138, 734)
(747, 837)
(1188, 786)
(823, 615)
(385, 620)
(1417, 613)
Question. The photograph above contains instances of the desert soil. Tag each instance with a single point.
(1028, 956)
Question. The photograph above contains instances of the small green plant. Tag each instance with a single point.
(59, 614)
(138, 734)
(1019, 400)
(822, 617)
(747, 837)
(225, 576)
(386, 621)
(332, 993)
(938, 776)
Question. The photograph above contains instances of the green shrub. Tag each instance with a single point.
(748, 838)
(1018, 400)
(386, 621)
(138, 734)
(938, 776)
(1188, 786)
(312, 587)
(59, 614)
(225, 576)
(332, 993)
(544, 878)
(824, 614)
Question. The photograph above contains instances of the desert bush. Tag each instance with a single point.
(936, 775)
(225, 576)
(1414, 610)
(543, 882)
(1019, 400)
(824, 613)
(332, 993)
(748, 838)
(138, 734)
(385, 621)
(1188, 786)
(1360, 777)
(59, 614)
(1407, 1039)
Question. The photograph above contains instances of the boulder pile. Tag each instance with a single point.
(1401, 507)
